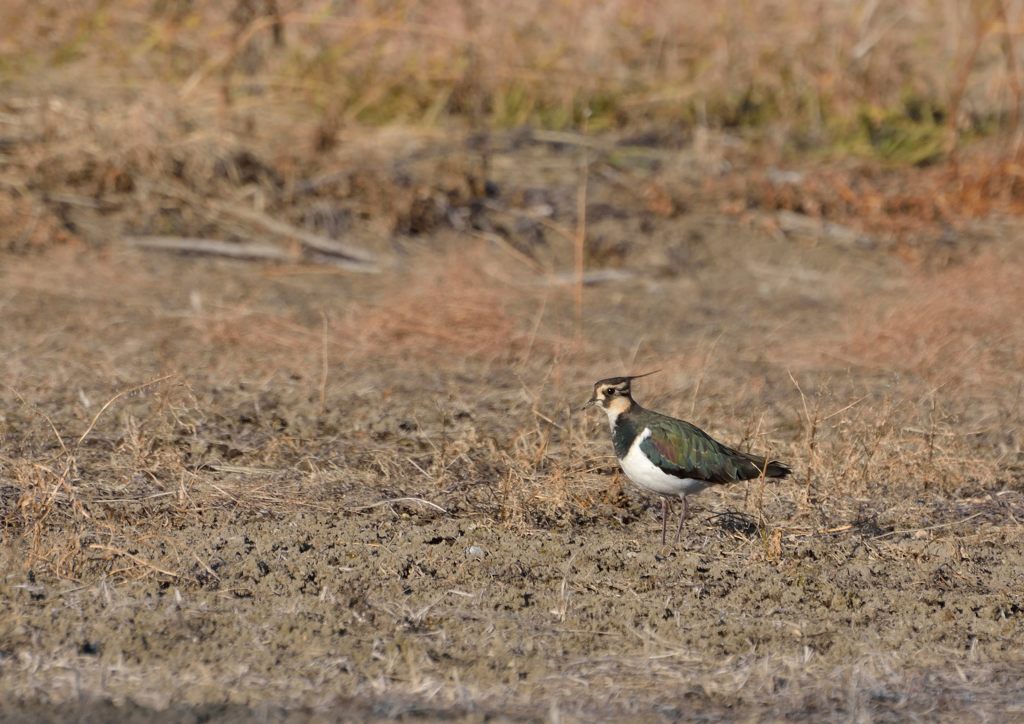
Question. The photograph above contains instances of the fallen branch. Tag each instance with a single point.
(213, 247)
(338, 253)
(588, 278)
(316, 242)
(792, 222)
(238, 250)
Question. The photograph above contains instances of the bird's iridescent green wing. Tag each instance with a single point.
(686, 451)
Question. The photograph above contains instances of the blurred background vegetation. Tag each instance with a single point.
(898, 80)
(901, 119)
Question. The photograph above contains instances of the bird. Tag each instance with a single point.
(671, 457)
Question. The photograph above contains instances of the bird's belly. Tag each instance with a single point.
(647, 475)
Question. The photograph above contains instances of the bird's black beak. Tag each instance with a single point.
(591, 401)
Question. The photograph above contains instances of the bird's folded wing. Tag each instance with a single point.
(686, 451)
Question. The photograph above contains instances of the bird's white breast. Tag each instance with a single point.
(647, 475)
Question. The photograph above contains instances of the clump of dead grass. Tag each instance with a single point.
(454, 308)
(28, 225)
(540, 482)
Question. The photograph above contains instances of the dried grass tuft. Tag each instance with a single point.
(28, 225)
(453, 307)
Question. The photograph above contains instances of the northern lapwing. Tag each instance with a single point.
(671, 457)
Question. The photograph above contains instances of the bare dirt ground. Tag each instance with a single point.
(292, 491)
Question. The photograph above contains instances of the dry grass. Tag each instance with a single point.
(541, 62)
(207, 483)
(175, 451)
(454, 306)
(379, 488)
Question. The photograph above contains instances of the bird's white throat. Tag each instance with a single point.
(615, 408)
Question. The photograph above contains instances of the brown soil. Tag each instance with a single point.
(317, 494)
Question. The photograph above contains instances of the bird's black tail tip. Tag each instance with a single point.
(775, 469)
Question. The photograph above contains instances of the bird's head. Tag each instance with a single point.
(613, 393)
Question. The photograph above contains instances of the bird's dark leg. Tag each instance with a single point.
(664, 518)
(681, 519)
